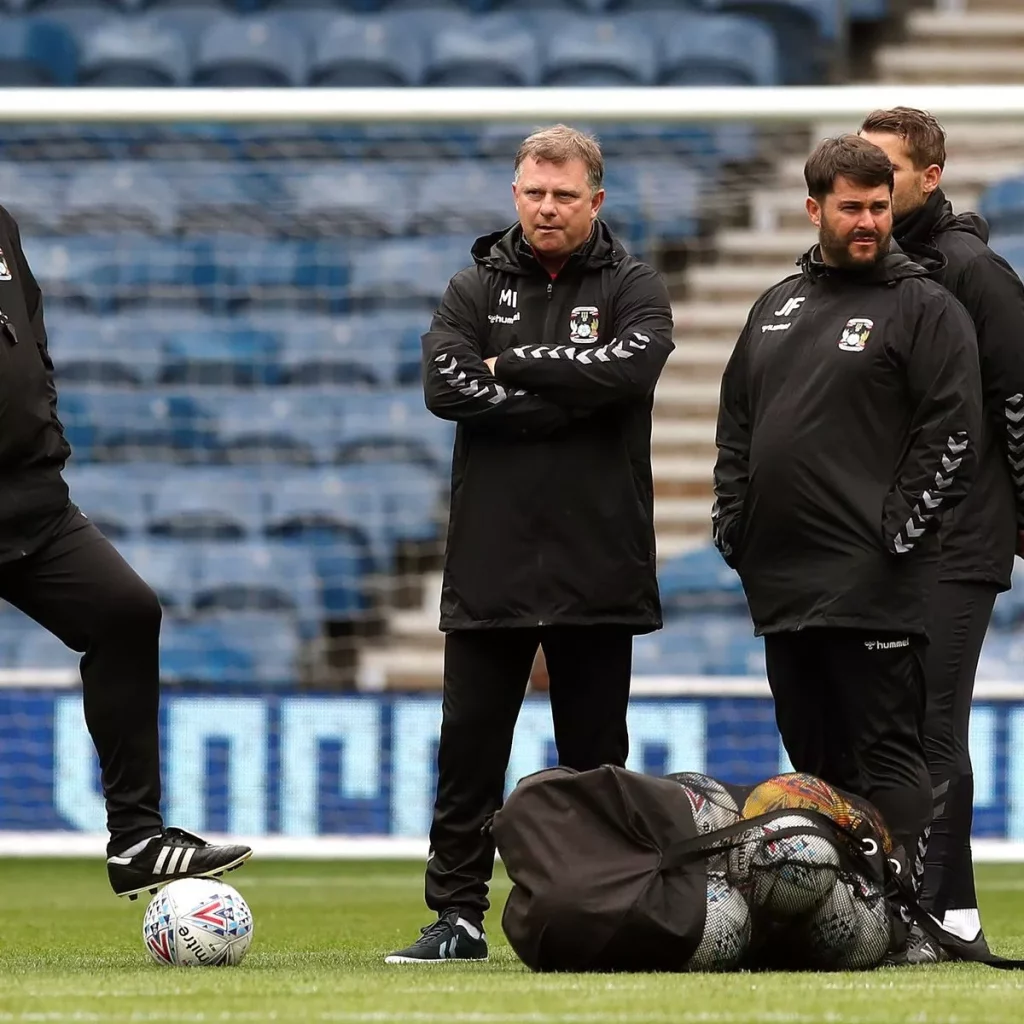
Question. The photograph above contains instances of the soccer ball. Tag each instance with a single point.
(713, 808)
(726, 937)
(197, 922)
(851, 929)
(786, 877)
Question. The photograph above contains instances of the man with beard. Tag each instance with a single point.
(848, 425)
(979, 542)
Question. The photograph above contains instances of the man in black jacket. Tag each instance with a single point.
(59, 569)
(545, 353)
(848, 426)
(979, 540)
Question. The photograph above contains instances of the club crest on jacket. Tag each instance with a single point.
(583, 324)
(856, 334)
(5, 272)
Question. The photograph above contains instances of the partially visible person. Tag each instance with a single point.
(848, 426)
(980, 538)
(545, 352)
(61, 571)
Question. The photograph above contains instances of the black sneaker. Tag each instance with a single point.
(923, 949)
(173, 854)
(450, 937)
(971, 950)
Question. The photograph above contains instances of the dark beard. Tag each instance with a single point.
(835, 248)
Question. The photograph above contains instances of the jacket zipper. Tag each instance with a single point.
(540, 549)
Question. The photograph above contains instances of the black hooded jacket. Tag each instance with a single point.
(32, 446)
(848, 424)
(980, 536)
(551, 518)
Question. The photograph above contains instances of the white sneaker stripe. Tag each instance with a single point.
(159, 865)
(172, 864)
(186, 860)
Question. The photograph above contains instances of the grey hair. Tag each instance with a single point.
(559, 144)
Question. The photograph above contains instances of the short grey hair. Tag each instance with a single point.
(560, 144)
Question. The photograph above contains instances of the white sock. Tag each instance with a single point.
(470, 929)
(966, 924)
(137, 848)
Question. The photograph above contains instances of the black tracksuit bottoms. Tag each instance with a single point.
(960, 616)
(485, 677)
(80, 589)
(850, 708)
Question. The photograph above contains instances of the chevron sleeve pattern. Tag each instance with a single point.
(458, 386)
(944, 383)
(621, 370)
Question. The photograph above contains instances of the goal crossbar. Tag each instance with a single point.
(462, 105)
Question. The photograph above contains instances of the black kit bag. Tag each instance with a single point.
(610, 872)
(586, 852)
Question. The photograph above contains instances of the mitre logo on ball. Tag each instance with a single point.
(583, 324)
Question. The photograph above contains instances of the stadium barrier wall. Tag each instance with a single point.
(353, 775)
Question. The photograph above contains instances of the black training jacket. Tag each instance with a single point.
(980, 536)
(552, 519)
(32, 445)
(848, 425)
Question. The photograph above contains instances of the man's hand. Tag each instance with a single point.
(489, 363)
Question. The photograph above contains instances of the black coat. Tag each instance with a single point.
(980, 537)
(32, 446)
(849, 422)
(552, 519)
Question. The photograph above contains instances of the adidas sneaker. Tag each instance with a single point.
(450, 937)
(173, 854)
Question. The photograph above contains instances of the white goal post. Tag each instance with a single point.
(790, 107)
(776, 104)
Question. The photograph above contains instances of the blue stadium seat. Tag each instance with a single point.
(699, 580)
(464, 196)
(493, 50)
(244, 269)
(95, 350)
(1002, 204)
(256, 648)
(115, 500)
(360, 199)
(207, 504)
(189, 19)
(707, 49)
(405, 272)
(114, 425)
(247, 577)
(220, 355)
(121, 196)
(219, 196)
(249, 52)
(1010, 247)
(1002, 658)
(412, 498)
(170, 568)
(34, 52)
(328, 504)
(14, 627)
(368, 51)
(394, 427)
(802, 30)
(34, 200)
(345, 351)
(701, 644)
(134, 52)
(598, 51)
(669, 195)
(667, 652)
(293, 427)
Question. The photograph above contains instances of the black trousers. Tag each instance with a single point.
(80, 589)
(850, 707)
(485, 678)
(960, 616)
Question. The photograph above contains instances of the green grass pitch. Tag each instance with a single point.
(70, 951)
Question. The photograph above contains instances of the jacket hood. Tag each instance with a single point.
(894, 266)
(934, 218)
(508, 251)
